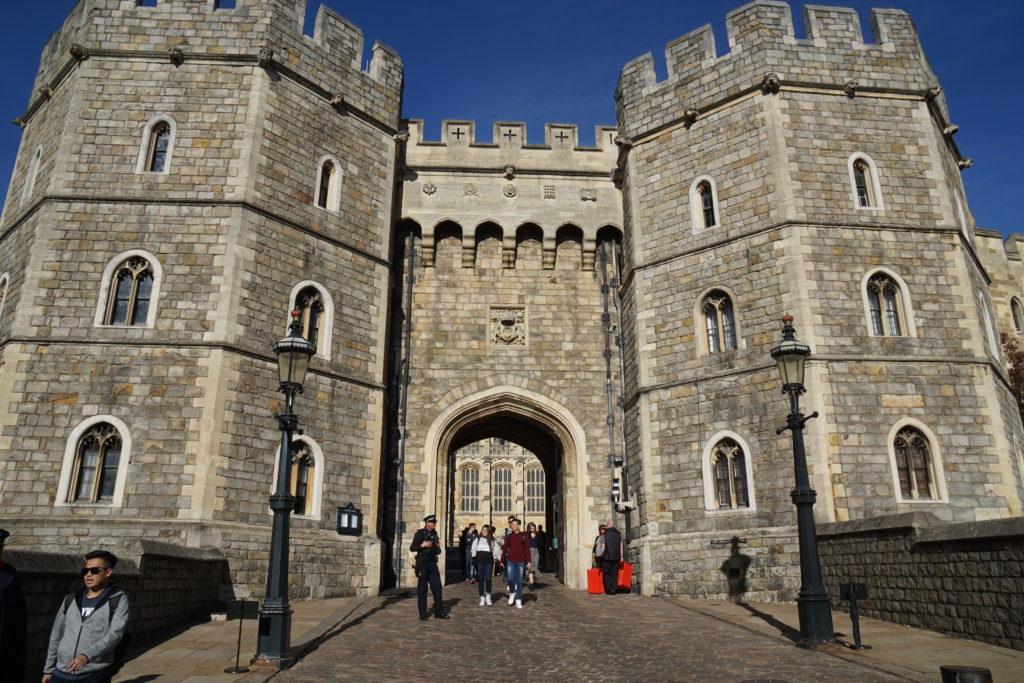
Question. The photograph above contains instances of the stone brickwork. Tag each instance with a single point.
(554, 295)
(961, 579)
(232, 228)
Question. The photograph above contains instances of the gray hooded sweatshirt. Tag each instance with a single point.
(96, 636)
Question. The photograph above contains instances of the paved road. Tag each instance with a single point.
(560, 635)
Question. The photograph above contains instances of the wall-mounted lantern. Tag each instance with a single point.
(350, 521)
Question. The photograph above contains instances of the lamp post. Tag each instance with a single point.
(812, 601)
(274, 642)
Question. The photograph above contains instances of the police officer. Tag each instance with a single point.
(427, 547)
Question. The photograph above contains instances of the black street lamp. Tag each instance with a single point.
(812, 601)
(274, 642)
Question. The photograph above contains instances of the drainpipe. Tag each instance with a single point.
(410, 279)
(610, 417)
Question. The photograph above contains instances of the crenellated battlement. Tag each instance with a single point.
(762, 41)
(561, 151)
(265, 32)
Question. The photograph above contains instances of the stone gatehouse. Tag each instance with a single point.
(609, 309)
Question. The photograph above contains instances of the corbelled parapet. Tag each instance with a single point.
(267, 33)
(561, 150)
(764, 55)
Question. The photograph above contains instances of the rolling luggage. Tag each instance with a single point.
(595, 585)
(625, 576)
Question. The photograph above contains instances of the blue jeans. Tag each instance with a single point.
(515, 572)
(470, 566)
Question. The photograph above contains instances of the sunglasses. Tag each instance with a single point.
(93, 570)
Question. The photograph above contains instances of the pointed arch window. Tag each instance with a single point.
(728, 465)
(719, 322)
(535, 490)
(130, 293)
(865, 188)
(914, 466)
(885, 306)
(303, 466)
(159, 147)
(469, 481)
(327, 192)
(310, 305)
(1015, 310)
(97, 459)
(502, 496)
(33, 172)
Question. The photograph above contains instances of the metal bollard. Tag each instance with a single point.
(965, 674)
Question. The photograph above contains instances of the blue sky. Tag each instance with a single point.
(558, 62)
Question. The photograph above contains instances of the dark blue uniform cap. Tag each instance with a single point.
(430, 518)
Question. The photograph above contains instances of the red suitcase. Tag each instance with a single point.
(625, 576)
(595, 584)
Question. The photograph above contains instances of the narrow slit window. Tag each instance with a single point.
(302, 465)
(310, 305)
(1015, 309)
(159, 146)
(707, 204)
(326, 183)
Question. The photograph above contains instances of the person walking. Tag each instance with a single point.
(535, 553)
(516, 556)
(89, 626)
(611, 556)
(466, 544)
(13, 620)
(427, 546)
(486, 551)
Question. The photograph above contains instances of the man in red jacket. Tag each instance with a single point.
(516, 556)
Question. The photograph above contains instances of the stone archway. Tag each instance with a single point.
(539, 424)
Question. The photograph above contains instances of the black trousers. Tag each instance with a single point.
(429, 574)
(610, 574)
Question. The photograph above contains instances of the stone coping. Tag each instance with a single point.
(928, 527)
(34, 562)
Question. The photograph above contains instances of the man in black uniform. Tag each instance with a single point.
(427, 547)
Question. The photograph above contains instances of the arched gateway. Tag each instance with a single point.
(542, 426)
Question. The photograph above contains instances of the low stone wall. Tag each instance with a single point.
(167, 586)
(964, 579)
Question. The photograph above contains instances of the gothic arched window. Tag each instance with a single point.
(130, 292)
(97, 459)
(885, 306)
(310, 305)
(914, 464)
(470, 488)
(302, 465)
(535, 491)
(1015, 310)
(728, 465)
(159, 147)
(719, 321)
(502, 487)
(328, 184)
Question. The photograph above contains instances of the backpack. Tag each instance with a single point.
(117, 663)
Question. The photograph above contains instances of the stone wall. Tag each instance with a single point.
(167, 585)
(962, 579)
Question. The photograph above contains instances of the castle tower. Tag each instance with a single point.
(816, 177)
(187, 175)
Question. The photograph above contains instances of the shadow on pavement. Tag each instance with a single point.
(315, 644)
(786, 630)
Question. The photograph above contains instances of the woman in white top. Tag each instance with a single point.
(485, 551)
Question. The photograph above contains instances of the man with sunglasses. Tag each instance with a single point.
(89, 626)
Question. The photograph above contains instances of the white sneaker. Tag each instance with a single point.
(488, 599)
(511, 598)
(482, 601)
(519, 604)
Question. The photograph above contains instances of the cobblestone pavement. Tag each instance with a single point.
(560, 634)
